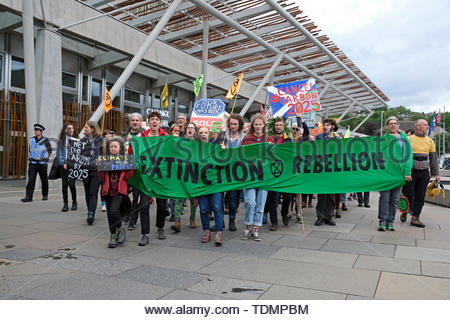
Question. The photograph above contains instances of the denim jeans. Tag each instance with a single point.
(388, 204)
(216, 202)
(255, 199)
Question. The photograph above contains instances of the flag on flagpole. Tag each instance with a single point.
(165, 97)
(198, 84)
(235, 87)
(438, 118)
(347, 133)
(433, 123)
(108, 103)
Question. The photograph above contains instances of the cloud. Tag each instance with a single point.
(402, 46)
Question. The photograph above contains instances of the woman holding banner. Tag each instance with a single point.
(326, 202)
(92, 183)
(255, 198)
(67, 132)
(190, 133)
(212, 201)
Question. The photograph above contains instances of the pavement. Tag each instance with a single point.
(48, 254)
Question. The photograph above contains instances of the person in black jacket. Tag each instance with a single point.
(92, 182)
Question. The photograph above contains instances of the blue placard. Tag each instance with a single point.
(209, 107)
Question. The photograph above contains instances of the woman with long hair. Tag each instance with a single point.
(190, 133)
(67, 132)
(255, 198)
(92, 183)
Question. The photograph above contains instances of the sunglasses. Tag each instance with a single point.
(297, 129)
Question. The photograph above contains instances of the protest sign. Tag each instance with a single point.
(170, 167)
(206, 112)
(78, 159)
(288, 98)
(116, 162)
(309, 118)
(165, 115)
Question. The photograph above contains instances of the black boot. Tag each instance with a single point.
(65, 207)
(74, 205)
(231, 225)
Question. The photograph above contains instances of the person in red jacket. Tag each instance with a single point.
(114, 189)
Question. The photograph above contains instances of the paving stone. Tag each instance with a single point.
(437, 235)
(163, 277)
(277, 292)
(341, 227)
(235, 246)
(86, 286)
(7, 232)
(300, 242)
(296, 274)
(388, 264)
(322, 234)
(435, 269)
(175, 258)
(24, 254)
(388, 239)
(17, 268)
(433, 244)
(417, 253)
(403, 286)
(356, 247)
(316, 256)
(354, 237)
(21, 285)
(48, 240)
(190, 295)
(84, 263)
(353, 297)
(220, 286)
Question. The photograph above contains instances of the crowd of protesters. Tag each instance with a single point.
(125, 204)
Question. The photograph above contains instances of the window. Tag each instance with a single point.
(1, 68)
(84, 94)
(17, 73)
(96, 92)
(134, 96)
(157, 103)
(130, 110)
(69, 80)
(67, 97)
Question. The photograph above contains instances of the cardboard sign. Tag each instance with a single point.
(208, 112)
(309, 118)
(288, 98)
(115, 163)
(78, 159)
(165, 115)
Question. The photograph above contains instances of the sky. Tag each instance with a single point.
(403, 46)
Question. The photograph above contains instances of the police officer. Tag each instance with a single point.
(39, 152)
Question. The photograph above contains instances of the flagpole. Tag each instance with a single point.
(234, 103)
(443, 151)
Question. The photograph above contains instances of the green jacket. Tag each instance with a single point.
(409, 155)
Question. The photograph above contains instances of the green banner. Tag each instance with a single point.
(169, 167)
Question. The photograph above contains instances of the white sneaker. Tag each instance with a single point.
(255, 236)
(246, 235)
(103, 207)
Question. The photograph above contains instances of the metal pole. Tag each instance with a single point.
(443, 151)
(262, 83)
(136, 59)
(381, 124)
(274, 4)
(208, 8)
(203, 93)
(346, 111)
(364, 120)
(30, 75)
(327, 85)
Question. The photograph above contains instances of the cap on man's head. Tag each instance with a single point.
(38, 126)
